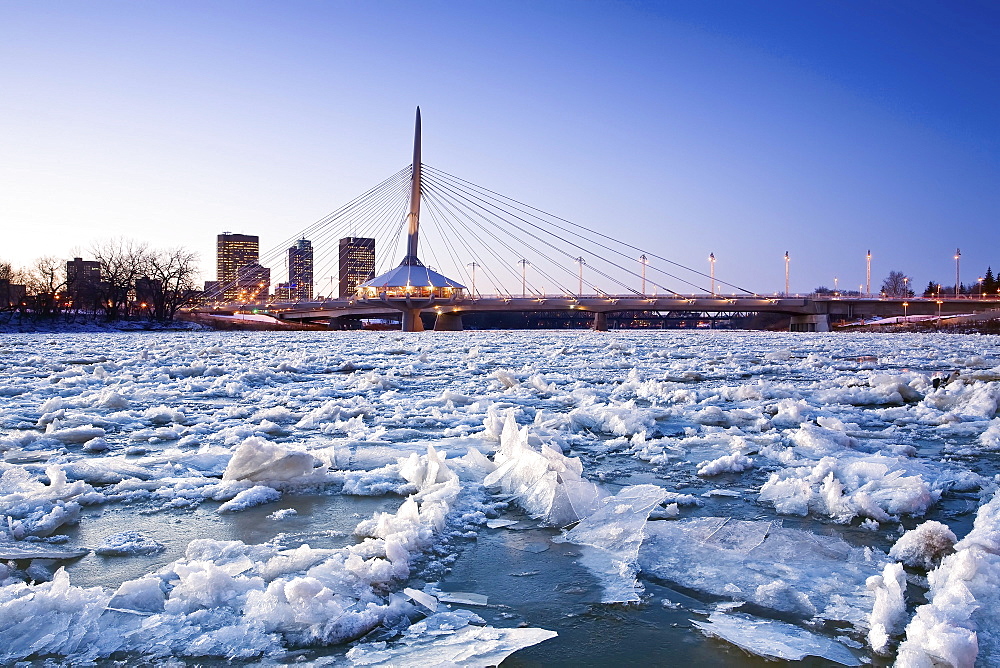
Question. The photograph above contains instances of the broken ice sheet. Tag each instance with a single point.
(499, 523)
(761, 562)
(447, 639)
(462, 598)
(612, 536)
(774, 640)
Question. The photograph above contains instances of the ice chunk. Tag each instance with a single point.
(448, 642)
(924, 546)
(22, 550)
(255, 496)
(890, 606)
(774, 640)
(260, 460)
(128, 543)
(960, 623)
(614, 533)
(546, 484)
(788, 570)
(734, 463)
(500, 523)
(463, 598)
(426, 600)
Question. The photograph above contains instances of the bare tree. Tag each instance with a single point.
(897, 284)
(45, 280)
(172, 273)
(123, 261)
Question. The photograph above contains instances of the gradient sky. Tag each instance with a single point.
(740, 128)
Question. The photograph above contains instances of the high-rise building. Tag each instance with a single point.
(300, 270)
(83, 280)
(357, 263)
(233, 252)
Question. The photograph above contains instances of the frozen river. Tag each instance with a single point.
(573, 498)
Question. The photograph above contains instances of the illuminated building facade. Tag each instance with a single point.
(357, 263)
(233, 253)
(300, 270)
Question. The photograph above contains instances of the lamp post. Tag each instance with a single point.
(905, 318)
(939, 313)
(980, 281)
(958, 283)
(711, 264)
(642, 261)
(786, 273)
(524, 270)
(906, 286)
(836, 288)
(581, 262)
(473, 265)
(868, 276)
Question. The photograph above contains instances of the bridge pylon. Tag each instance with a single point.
(411, 281)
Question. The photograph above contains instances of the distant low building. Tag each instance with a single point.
(83, 282)
(213, 291)
(11, 294)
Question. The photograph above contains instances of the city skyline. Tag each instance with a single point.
(699, 128)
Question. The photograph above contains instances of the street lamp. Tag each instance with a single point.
(980, 281)
(906, 286)
(711, 263)
(642, 261)
(836, 288)
(473, 265)
(868, 276)
(786, 273)
(958, 283)
(905, 305)
(939, 313)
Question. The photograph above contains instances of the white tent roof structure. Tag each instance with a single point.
(416, 275)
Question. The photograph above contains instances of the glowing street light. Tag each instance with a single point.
(642, 261)
(711, 262)
(868, 276)
(958, 257)
(905, 305)
(524, 269)
(980, 281)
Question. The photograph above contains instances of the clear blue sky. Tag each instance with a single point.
(740, 128)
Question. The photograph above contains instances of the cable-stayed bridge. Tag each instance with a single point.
(468, 249)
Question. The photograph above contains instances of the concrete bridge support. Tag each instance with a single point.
(448, 322)
(412, 321)
(809, 323)
(600, 322)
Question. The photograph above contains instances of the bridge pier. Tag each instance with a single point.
(809, 323)
(448, 322)
(412, 321)
(600, 322)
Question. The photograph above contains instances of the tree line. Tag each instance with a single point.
(135, 281)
